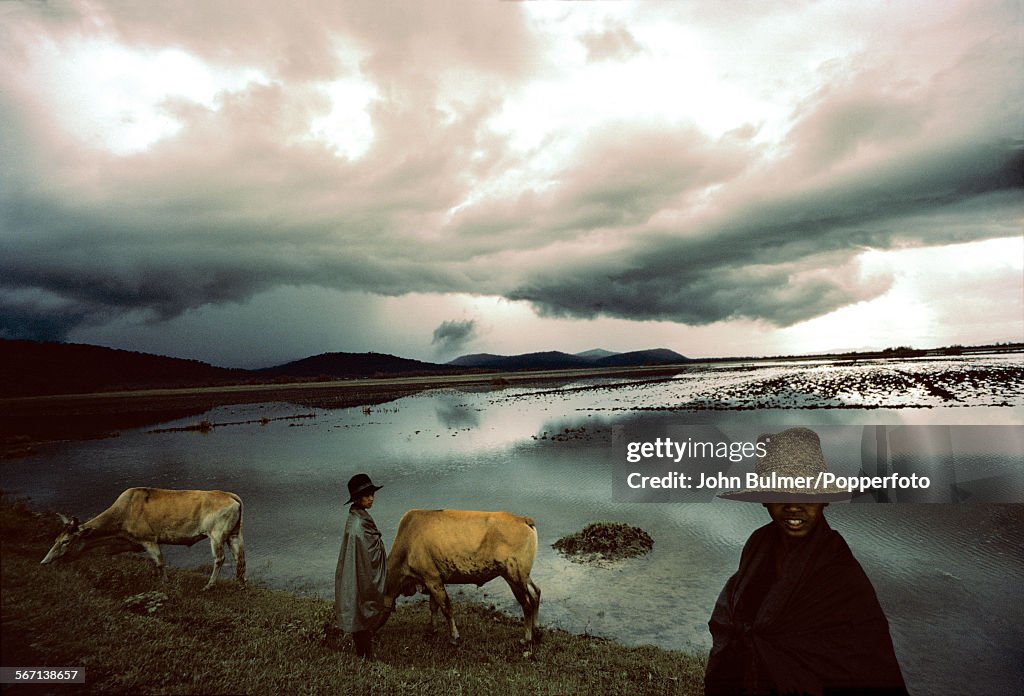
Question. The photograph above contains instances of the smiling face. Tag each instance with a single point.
(796, 520)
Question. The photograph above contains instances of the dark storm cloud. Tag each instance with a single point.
(783, 261)
(640, 219)
(453, 335)
(39, 321)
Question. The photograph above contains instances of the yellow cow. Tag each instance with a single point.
(143, 518)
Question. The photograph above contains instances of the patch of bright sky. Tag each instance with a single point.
(681, 77)
(908, 315)
(116, 96)
(347, 127)
(897, 318)
(743, 71)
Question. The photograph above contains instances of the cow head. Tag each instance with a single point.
(385, 614)
(396, 584)
(69, 543)
(400, 584)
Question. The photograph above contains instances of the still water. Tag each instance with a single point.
(949, 576)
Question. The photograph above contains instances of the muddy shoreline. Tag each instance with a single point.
(30, 421)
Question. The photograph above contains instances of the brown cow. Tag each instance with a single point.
(435, 547)
(143, 518)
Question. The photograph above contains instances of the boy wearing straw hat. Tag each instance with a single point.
(799, 616)
(362, 569)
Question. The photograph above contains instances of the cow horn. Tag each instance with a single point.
(65, 520)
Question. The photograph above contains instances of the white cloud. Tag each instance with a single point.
(114, 96)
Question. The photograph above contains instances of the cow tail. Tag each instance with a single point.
(237, 530)
(237, 543)
(536, 535)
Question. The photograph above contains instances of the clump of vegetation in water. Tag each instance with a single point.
(606, 540)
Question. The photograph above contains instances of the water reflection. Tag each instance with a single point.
(454, 414)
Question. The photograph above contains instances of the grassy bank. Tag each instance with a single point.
(262, 641)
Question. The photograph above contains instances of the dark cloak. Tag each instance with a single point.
(361, 573)
(816, 629)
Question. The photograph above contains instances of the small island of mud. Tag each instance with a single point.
(605, 541)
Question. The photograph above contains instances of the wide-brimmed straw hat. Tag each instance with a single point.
(360, 485)
(789, 455)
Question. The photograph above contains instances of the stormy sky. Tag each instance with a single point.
(248, 183)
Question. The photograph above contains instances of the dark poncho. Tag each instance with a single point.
(361, 573)
(816, 629)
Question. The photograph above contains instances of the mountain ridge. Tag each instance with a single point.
(38, 368)
(550, 360)
(33, 368)
(596, 354)
(340, 365)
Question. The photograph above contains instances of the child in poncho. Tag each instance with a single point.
(362, 569)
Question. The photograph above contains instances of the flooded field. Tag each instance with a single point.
(948, 575)
(812, 385)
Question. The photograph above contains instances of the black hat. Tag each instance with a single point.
(360, 485)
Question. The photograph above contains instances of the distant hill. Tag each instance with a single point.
(38, 368)
(342, 365)
(655, 356)
(556, 360)
(33, 368)
(595, 354)
(475, 360)
(547, 360)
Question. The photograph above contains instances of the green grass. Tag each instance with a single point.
(261, 641)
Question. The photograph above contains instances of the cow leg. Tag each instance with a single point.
(217, 546)
(433, 612)
(153, 549)
(534, 591)
(528, 595)
(238, 551)
(523, 597)
(440, 597)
